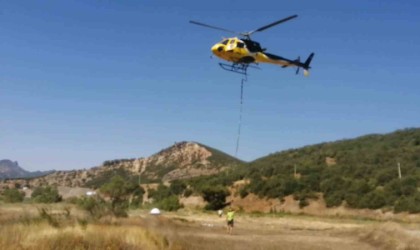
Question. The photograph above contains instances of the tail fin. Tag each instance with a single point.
(306, 66)
(308, 61)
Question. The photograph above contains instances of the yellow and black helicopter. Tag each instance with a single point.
(242, 52)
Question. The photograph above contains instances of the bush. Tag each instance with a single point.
(243, 192)
(94, 205)
(303, 203)
(46, 194)
(177, 187)
(373, 200)
(160, 193)
(188, 192)
(45, 214)
(215, 196)
(13, 195)
(303, 197)
(170, 203)
(334, 199)
(352, 200)
(408, 204)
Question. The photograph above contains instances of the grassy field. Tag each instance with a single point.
(60, 226)
(64, 227)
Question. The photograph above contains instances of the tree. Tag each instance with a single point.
(215, 196)
(137, 197)
(118, 190)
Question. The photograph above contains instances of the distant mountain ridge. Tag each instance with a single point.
(11, 170)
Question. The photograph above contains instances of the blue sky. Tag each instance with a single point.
(82, 82)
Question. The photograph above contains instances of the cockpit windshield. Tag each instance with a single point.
(225, 42)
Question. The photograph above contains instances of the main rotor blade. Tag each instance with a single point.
(213, 27)
(273, 24)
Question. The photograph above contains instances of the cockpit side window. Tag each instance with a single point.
(225, 42)
(232, 41)
(240, 45)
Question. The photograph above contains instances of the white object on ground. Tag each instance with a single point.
(155, 211)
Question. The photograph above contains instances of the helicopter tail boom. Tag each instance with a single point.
(270, 58)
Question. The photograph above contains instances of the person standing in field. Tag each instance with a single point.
(230, 216)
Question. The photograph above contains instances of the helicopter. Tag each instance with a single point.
(243, 52)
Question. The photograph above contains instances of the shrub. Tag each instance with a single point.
(160, 193)
(408, 204)
(334, 199)
(13, 195)
(303, 203)
(94, 205)
(243, 192)
(303, 197)
(188, 192)
(46, 194)
(373, 200)
(45, 214)
(177, 187)
(170, 203)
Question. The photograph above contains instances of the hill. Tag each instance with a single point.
(182, 160)
(357, 173)
(12, 170)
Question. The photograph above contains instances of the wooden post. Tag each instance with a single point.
(399, 170)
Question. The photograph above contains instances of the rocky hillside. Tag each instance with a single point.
(185, 160)
(11, 169)
(180, 161)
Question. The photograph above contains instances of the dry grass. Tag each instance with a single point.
(52, 230)
(389, 236)
(29, 227)
(43, 236)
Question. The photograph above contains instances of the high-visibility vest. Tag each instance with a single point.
(230, 215)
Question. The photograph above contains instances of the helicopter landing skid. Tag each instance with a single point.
(240, 68)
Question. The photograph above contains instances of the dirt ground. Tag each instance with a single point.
(204, 231)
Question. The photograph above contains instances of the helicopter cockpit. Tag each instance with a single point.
(233, 43)
(242, 43)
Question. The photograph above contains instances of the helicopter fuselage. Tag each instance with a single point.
(245, 51)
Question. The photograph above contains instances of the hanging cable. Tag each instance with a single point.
(240, 115)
